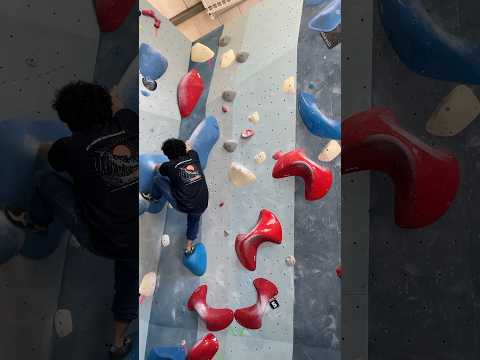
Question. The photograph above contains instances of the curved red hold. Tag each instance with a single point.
(318, 180)
(339, 271)
(268, 228)
(205, 349)
(251, 317)
(426, 180)
(112, 13)
(151, 13)
(189, 91)
(215, 319)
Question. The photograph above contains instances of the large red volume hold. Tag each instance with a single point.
(205, 349)
(268, 228)
(318, 180)
(189, 91)
(215, 319)
(251, 317)
(426, 180)
(112, 13)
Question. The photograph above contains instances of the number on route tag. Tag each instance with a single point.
(274, 304)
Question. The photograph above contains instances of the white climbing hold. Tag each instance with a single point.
(330, 151)
(260, 157)
(239, 175)
(201, 53)
(227, 59)
(254, 118)
(165, 240)
(147, 286)
(183, 342)
(289, 85)
(456, 111)
(63, 322)
(290, 260)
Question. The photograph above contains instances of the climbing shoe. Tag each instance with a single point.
(122, 351)
(148, 197)
(19, 218)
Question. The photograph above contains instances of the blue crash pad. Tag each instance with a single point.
(425, 47)
(152, 64)
(197, 261)
(203, 138)
(167, 353)
(328, 18)
(316, 121)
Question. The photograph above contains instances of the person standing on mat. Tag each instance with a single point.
(181, 182)
(92, 188)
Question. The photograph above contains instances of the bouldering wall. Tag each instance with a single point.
(278, 58)
(424, 289)
(43, 280)
(159, 120)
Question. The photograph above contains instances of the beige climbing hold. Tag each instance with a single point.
(289, 85)
(201, 53)
(254, 118)
(227, 59)
(456, 111)
(239, 175)
(165, 240)
(260, 157)
(63, 322)
(290, 260)
(330, 151)
(147, 286)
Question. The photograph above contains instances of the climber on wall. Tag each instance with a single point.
(92, 189)
(182, 183)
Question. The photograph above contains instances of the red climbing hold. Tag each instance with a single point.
(247, 133)
(112, 13)
(205, 349)
(151, 13)
(426, 180)
(215, 319)
(189, 91)
(251, 317)
(268, 228)
(339, 271)
(318, 179)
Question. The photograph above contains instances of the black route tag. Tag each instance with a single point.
(332, 38)
(274, 304)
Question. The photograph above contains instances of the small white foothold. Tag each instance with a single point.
(254, 118)
(147, 286)
(289, 85)
(170, 206)
(227, 59)
(239, 175)
(330, 151)
(290, 260)
(63, 322)
(260, 157)
(165, 240)
(183, 342)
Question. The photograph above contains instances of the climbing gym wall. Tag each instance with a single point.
(159, 120)
(267, 238)
(424, 290)
(56, 296)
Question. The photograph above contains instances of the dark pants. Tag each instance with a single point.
(162, 187)
(53, 196)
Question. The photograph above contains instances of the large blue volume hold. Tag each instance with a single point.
(316, 121)
(152, 64)
(167, 353)
(197, 261)
(328, 18)
(425, 47)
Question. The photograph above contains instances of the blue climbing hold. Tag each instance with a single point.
(145, 93)
(197, 261)
(328, 18)
(152, 64)
(204, 137)
(168, 353)
(316, 121)
(425, 47)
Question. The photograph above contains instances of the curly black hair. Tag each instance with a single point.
(81, 105)
(174, 148)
